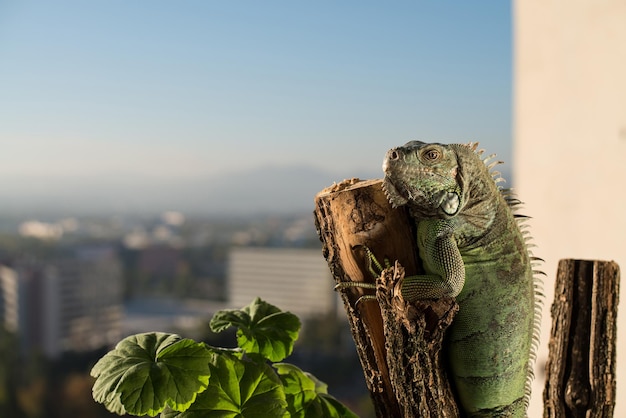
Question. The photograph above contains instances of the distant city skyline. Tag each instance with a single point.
(117, 103)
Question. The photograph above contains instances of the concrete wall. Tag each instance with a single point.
(570, 141)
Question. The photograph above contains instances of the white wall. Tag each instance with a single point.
(570, 142)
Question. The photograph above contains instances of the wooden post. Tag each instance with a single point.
(581, 364)
(399, 343)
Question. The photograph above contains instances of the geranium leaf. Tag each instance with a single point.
(146, 372)
(307, 397)
(262, 328)
(238, 388)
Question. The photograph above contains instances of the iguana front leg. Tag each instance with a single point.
(443, 264)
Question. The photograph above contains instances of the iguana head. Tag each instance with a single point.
(423, 177)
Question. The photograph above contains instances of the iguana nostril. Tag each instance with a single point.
(393, 155)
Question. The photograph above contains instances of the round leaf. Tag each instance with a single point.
(262, 328)
(307, 396)
(146, 372)
(238, 388)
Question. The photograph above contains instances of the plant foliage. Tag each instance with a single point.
(152, 373)
(145, 372)
(307, 396)
(261, 329)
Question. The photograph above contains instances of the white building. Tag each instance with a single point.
(295, 280)
(9, 305)
(570, 142)
(74, 303)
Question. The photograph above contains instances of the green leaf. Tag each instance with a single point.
(307, 397)
(238, 388)
(262, 329)
(146, 372)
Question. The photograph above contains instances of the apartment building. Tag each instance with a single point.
(295, 280)
(70, 303)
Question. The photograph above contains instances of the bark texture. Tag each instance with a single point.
(581, 364)
(399, 343)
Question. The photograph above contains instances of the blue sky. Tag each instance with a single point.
(161, 90)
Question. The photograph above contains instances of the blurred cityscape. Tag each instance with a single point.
(72, 287)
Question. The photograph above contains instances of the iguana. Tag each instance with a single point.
(472, 248)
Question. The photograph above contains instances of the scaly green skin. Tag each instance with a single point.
(472, 249)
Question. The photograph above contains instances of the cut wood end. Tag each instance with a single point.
(346, 184)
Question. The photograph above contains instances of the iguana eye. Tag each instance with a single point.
(431, 155)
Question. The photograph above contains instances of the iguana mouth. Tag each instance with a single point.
(393, 195)
(448, 202)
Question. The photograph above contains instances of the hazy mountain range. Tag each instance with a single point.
(262, 190)
(257, 191)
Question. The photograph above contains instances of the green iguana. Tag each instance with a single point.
(472, 248)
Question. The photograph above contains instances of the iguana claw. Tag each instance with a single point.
(372, 261)
(373, 266)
